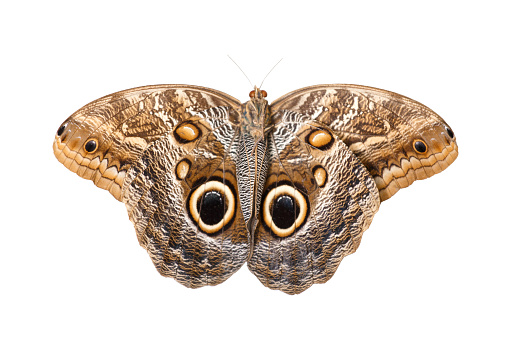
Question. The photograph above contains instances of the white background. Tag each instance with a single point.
(434, 263)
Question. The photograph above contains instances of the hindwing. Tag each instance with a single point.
(317, 201)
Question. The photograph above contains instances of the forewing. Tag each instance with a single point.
(383, 129)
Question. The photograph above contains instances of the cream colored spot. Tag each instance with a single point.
(120, 178)
(103, 166)
(95, 163)
(111, 173)
(320, 176)
(116, 191)
(355, 105)
(380, 183)
(319, 138)
(187, 132)
(397, 172)
(182, 169)
(357, 146)
(387, 176)
(373, 141)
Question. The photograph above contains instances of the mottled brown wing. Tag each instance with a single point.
(398, 139)
(317, 201)
(165, 152)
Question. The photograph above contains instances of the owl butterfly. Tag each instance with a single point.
(211, 183)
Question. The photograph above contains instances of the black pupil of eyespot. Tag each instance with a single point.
(211, 207)
(420, 146)
(449, 132)
(284, 211)
(90, 146)
(61, 129)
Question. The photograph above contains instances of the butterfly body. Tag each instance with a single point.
(289, 188)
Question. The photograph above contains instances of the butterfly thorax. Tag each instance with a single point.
(254, 115)
(252, 166)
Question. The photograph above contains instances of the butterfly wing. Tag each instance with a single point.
(337, 151)
(165, 152)
(398, 139)
(317, 201)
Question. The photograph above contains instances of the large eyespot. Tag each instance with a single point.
(61, 129)
(212, 206)
(420, 146)
(186, 132)
(449, 131)
(320, 139)
(91, 145)
(284, 209)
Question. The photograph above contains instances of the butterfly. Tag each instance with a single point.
(211, 183)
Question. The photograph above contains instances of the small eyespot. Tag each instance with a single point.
(320, 139)
(320, 175)
(252, 94)
(264, 94)
(186, 132)
(61, 129)
(182, 169)
(420, 146)
(90, 146)
(449, 132)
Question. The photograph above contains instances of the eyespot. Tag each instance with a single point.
(91, 145)
(186, 132)
(449, 131)
(320, 175)
(264, 94)
(61, 129)
(182, 169)
(320, 139)
(420, 146)
(212, 206)
(284, 209)
(252, 94)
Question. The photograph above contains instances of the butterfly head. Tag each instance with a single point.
(258, 94)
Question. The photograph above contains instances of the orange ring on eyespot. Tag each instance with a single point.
(91, 145)
(299, 200)
(195, 212)
(420, 146)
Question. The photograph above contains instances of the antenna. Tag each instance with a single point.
(270, 71)
(241, 70)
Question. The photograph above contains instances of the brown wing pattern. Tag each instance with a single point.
(163, 151)
(202, 175)
(398, 139)
(123, 124)
(191, 233)
(317, 202)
